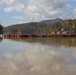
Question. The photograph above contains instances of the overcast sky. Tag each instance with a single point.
(20, 11)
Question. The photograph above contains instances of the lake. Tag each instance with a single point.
(38, 56)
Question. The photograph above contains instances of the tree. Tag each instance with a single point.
(1, 29)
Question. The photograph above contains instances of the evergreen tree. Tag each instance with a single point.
(1, 29)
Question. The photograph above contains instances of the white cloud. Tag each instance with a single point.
(8, 9)
(44, 9)
(16, 7)
(72, 14)
(18, 17)
(35, 10)
(9, 2)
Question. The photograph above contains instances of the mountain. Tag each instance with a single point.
(25, 28)
(52, 21)
(31, 28)
(57, 26)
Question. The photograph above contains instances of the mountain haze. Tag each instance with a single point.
(52, 21)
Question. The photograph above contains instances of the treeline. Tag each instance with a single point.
(65, 27)
(26, 28)
(1, 29)
(39, 28)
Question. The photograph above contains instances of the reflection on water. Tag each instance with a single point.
(38, 56)
(53, 41)
(1, 39)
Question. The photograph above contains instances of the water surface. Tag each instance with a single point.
(38, 56)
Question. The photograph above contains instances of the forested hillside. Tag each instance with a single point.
(26, 28)
(64, 27)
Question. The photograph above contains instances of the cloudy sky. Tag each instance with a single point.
(20, 11)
